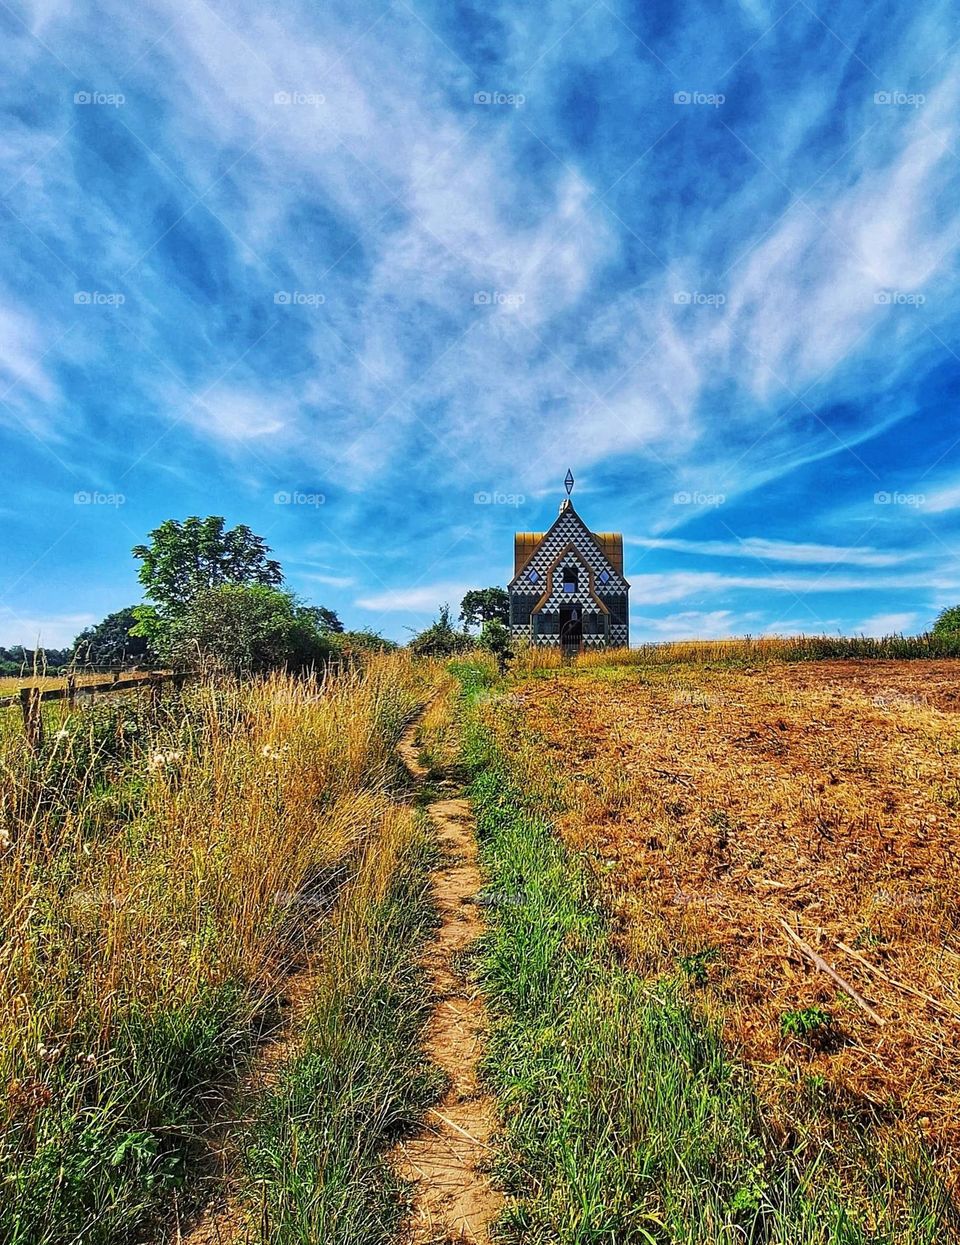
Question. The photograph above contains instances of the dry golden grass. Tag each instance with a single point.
(138, 877)
(713, 803)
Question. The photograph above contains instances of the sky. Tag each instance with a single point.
(369, 277)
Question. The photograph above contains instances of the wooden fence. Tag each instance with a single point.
(31, 699)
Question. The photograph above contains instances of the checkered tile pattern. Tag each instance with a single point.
(569, 529)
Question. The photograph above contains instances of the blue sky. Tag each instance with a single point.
(370, 276)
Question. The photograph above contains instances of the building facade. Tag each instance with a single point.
(568, 587)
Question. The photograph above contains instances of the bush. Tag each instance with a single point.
(247, 629)
(356, 644)
(948, 622)
(440, 639)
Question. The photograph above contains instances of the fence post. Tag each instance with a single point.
(30, 706)
(71, 691)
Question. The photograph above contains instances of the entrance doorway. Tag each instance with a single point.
(571, 629)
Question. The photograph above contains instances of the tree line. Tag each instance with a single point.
(215, 596)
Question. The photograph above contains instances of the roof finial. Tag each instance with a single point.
(568, 482)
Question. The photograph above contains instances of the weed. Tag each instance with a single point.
(808, 1024)
(697, 966)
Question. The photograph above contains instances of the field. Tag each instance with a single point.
(713, 803)
(10, 684)
(262, 983)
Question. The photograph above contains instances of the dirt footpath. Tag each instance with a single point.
(453, 1196)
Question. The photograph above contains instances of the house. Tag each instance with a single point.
(568, 587)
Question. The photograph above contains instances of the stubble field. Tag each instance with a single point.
(717, 805)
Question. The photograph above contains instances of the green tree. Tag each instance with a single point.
(440, 639)
(109, 642)
(326, 620)
(948, 622)
(495, 636)
(365, 641)
(184, 558)
(247, 629)
(482, 605)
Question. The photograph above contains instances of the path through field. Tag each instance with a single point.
(453, 1197)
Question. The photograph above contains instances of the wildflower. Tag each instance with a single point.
(163, 758)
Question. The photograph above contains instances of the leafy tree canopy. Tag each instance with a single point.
(948, 622)
(350, 643)
(440, 639)
(109, 642)
(481, 605)
(495, 636)
(325, 619)
(19, 660)
(184, 558)
(247, 629)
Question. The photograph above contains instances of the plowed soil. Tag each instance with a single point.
(716, 804)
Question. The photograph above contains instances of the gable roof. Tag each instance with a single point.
(525, 544)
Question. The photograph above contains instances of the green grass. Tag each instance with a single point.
(625, 1118)
(315, 1160)
(91, 1154)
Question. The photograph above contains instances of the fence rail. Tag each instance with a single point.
(31, 699)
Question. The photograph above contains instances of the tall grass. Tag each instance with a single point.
(626, 1119)
(315, 1161)
(158, 874)
(750, 650)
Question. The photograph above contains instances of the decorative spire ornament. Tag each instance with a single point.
(568, 482)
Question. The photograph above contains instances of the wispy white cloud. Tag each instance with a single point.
(665, 587)
(769, 550)
(903, 623)
(51, 631)
(414, 600)
(592, 220)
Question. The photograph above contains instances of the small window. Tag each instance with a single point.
(533, 577)
(569, 579)
(604, 577)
